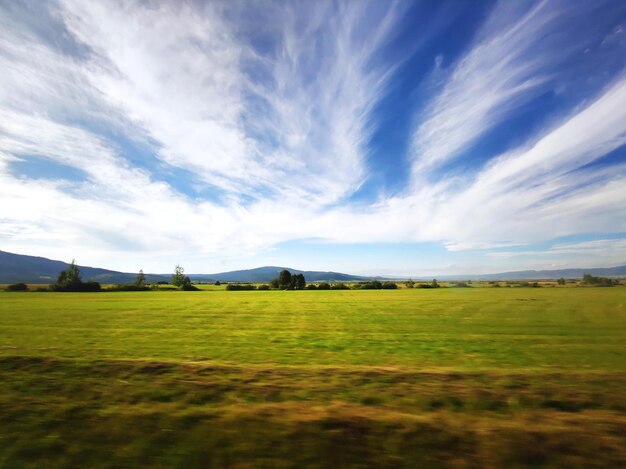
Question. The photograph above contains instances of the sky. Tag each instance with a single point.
(375, 138)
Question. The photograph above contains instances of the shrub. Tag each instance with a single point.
(238, 287)
(17, 287)
(263, 287)
(389, 286)
(339, 286)
(310, 286)
(589, 279)
(127, 287)
(372, 285)
(189, 287)
(323, 286)
(77, 287)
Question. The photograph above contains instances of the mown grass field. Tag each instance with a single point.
(481, 377)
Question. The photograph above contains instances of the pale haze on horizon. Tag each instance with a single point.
(374, 138)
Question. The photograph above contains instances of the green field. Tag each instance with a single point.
(478, 377)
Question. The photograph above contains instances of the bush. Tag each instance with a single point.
(372, 285)
(323, 286)
(77, 287)
(18, 287)
(263, 287)
(389, 286)
(189, 287)
(310, 286)
(599, 281)
(129, 287)
(238, 287)
(461, 285)
(339, 286)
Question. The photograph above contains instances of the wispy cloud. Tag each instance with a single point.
(607, 252)
(300, 130)
(515, 55)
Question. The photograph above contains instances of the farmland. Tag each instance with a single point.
(444, 377)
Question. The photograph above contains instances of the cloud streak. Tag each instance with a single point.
(516, 55)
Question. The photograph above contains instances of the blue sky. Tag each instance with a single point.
(400, 138)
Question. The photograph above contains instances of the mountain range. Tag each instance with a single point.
(31, 269)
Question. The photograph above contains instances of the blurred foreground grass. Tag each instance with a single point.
(409, 378)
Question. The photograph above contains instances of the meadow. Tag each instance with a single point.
(449, 377)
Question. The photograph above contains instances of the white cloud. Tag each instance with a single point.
(514, 56)
(599, 252)
(295, 139)
(180, 72)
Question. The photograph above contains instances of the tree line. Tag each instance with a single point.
(69, 280)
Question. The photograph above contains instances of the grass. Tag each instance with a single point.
(407, 378)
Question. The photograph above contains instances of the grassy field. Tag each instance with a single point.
(480, 377)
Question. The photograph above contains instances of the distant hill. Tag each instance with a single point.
(31, 269)
(619, 271)
(267, 273)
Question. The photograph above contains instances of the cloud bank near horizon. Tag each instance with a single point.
(196, 133)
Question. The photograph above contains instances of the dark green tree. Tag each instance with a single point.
(140, 280)
(298, 282)
(69, 280)
(73, 274)
(284, 279)
(178, 279)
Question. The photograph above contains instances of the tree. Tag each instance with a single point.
(72, 276)
(284, 279)
(140, 280)
(69, 280)
(298, 282)
(178, 279)
(62, 278)
(561, 281)
(589, 279)
(434, 283)
(410, 283)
